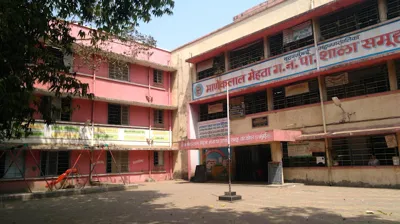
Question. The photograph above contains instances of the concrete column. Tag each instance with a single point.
(323, 89)
(277, 154)
(316, 28)
(270, 99)
(266, 47)
(398, 141)
(226, 54)
(382, 6)
(392, 75)
(328, 152)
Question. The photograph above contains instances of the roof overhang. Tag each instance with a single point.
(321, 10)
(349, 133)
(135, 60)
(252, 138)
(116, 101)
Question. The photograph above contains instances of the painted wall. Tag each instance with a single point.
(381, 176)
(138, 170)
(157, 55)
(370, 111)
(136, 89)
(185, 71)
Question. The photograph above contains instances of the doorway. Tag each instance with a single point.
(252, 162)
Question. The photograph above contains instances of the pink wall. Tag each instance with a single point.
(83, 110)
(158, 56)
(139, 116)
(138, 170)
(139, 74)
(100, 112)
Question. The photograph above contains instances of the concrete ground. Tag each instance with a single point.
(182, 202)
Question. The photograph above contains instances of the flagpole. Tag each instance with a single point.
(229, 139)
(230, 195)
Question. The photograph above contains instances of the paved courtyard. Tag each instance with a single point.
(182, 202)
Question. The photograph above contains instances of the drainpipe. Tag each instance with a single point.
(92, 124)
(150, 109)
(321, 98)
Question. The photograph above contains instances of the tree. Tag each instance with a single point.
(30, 30)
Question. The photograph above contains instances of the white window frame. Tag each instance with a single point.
(158, 73)
(160, 158)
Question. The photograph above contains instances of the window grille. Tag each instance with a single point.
(56, 108)
(357, 151)
(118, 70)
(393, 7)
(121, 163)
(65, 109)
(282, 101)
(246, 55)
(362, 82)
(55, 56)
(256, 102)
(54, 163)
(205, 116)
(158, 117)
(277, 46)
(299, 161)
(158, 76)
(8, 168)
(158, 158)
(349, 19)
(217, 68)
(118, 114)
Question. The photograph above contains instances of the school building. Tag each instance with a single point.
(123, 135)
(314, 90)
(314, 94)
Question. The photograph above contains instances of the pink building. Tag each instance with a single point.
(123, 135)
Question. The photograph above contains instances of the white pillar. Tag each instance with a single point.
(382, 6)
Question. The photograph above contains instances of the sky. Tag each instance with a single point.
(193, 19)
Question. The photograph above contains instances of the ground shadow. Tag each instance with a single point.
(140, 206)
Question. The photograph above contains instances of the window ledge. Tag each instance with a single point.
(123, 82)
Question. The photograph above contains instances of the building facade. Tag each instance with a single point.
(123, 135)
(314, 94)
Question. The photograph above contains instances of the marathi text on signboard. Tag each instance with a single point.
(298, 32)
(81, 134)
(305, 149)
(259, 122)
(213, 128)
(337, 80)
(237, 107)
(297, 89)
(368, 43)
(215, 108)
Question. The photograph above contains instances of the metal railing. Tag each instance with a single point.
(362, 82)
(393, 8)
(299, 161)
(349, 19)
(246, 55)
(282, 101)
(357, 151)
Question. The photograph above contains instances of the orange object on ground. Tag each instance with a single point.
(62, 177)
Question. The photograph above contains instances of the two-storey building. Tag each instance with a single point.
(314, 94)
(122, 135)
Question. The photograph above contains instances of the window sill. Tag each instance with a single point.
(123, 82)
(345, 167)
